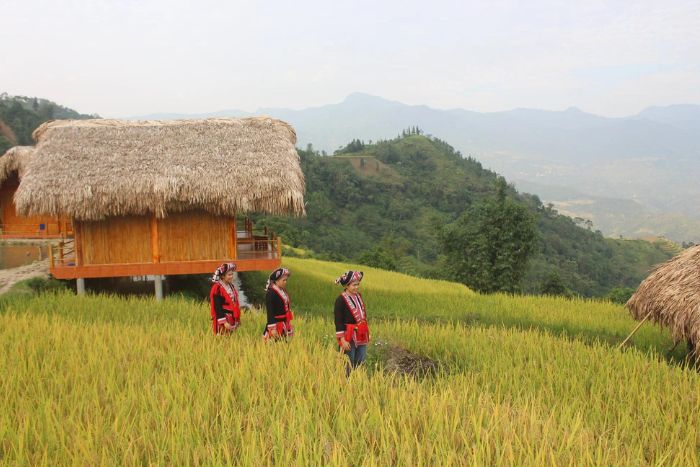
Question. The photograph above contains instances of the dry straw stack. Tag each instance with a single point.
(92, 169)
(15, 159)
(671, 296)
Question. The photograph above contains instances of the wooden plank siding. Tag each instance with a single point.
(115, 240)
(193, 236)
(15, 226)
(186, 236)
(192, 242)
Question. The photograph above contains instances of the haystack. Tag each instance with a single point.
(16, 159)
(671, 296)
(94, 169)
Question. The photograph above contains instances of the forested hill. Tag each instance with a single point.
(20, 115)
(383, 204)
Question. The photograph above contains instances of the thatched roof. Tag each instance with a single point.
(672, 294)
(15, 159)
(92, 169)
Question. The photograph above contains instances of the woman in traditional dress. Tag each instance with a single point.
(351, 328)
(225, 307)
(278, 304)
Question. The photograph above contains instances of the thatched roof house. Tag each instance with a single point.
(671, 294)
(15, 160)
(92, 169)
(161, 197)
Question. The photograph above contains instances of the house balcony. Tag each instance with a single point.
(35, 230)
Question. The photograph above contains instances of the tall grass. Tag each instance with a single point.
(391, 295)
(106, 380)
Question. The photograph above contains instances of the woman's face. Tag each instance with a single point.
(281, 282)
(228, 277)
(353, 287)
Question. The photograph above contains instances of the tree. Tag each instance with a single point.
(489, 246)
(620, 294)
(378, 257)
(554, 285)
(356, 145)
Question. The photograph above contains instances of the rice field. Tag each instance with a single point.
(106, 380)
(391, 295)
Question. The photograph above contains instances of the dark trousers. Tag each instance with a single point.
(356, 355)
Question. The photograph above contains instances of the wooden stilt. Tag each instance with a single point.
(159, 287)
(232, 247)
(80, 286)
(155, 247)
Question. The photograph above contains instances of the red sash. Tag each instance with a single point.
(284, 327)
(359, 331)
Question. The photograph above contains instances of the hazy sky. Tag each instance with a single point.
(132, 57)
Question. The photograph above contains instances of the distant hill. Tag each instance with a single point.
(680, 116)
(391, 198)
(652, 158)
(616, 217)
(384, 204)
(20, 115)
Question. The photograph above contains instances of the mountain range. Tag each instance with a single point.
(647, 164)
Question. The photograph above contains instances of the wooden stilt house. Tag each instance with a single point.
(162, 197)
(13, 226)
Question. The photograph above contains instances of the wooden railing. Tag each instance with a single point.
(259, 247)
(249, 230)
(62, 254)
(36, 230)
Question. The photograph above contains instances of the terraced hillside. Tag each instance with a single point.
(107, 380)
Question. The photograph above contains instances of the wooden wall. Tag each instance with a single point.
(12, 224)
(192, 235)
(187, 236)
(116, 240)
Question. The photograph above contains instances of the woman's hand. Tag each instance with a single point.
(274, 333)
(345, 345)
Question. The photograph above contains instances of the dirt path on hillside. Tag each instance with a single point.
(9, 277)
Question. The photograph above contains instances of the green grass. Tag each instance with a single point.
(32, 286)
(391, 295)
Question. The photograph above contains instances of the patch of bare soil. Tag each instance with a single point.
(403, 362)
(9, 277)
